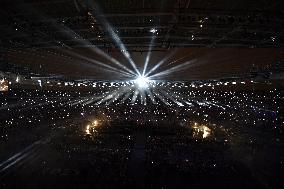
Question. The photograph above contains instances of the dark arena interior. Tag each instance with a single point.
(141, 94)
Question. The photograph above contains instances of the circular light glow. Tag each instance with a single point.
(153, 30)
(142, 82)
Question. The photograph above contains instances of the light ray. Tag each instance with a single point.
(76, 102)
(122, 47)
(114, 99)
(150, 94)
(127, 95)
(188, 103)
(93, 99)
(110, 68)
(174, 69)
(143, 97)
(148, 55)
(160, 97)
(108, 97)
(171, 98)
(112, 33)
(119, 93)
(160, 63)
(74, 36)
(180, 100)
(135, 95)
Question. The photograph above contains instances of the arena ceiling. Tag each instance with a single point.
(225, 37)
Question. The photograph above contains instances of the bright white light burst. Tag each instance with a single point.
(153, 30)
(142, 82)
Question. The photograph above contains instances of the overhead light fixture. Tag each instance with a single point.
(153, 30)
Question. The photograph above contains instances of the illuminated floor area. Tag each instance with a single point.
(174, 157)
(103, 156)
(55, 145)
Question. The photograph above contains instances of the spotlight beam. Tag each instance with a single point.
(160, 63)
(171, 98)
(173, 94)
(167, 95)
(174, 69)
(114, 99)
(106, 98)
(135, 95)
(151, 96)
(112, 34)
(122, 47)
(161, 98)
(127, 95)
(148, 55)
(119, 93)
(78, 101)
(91, 101)
(188, 103)
(74, 36)
(143, 97)
(109, 68)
